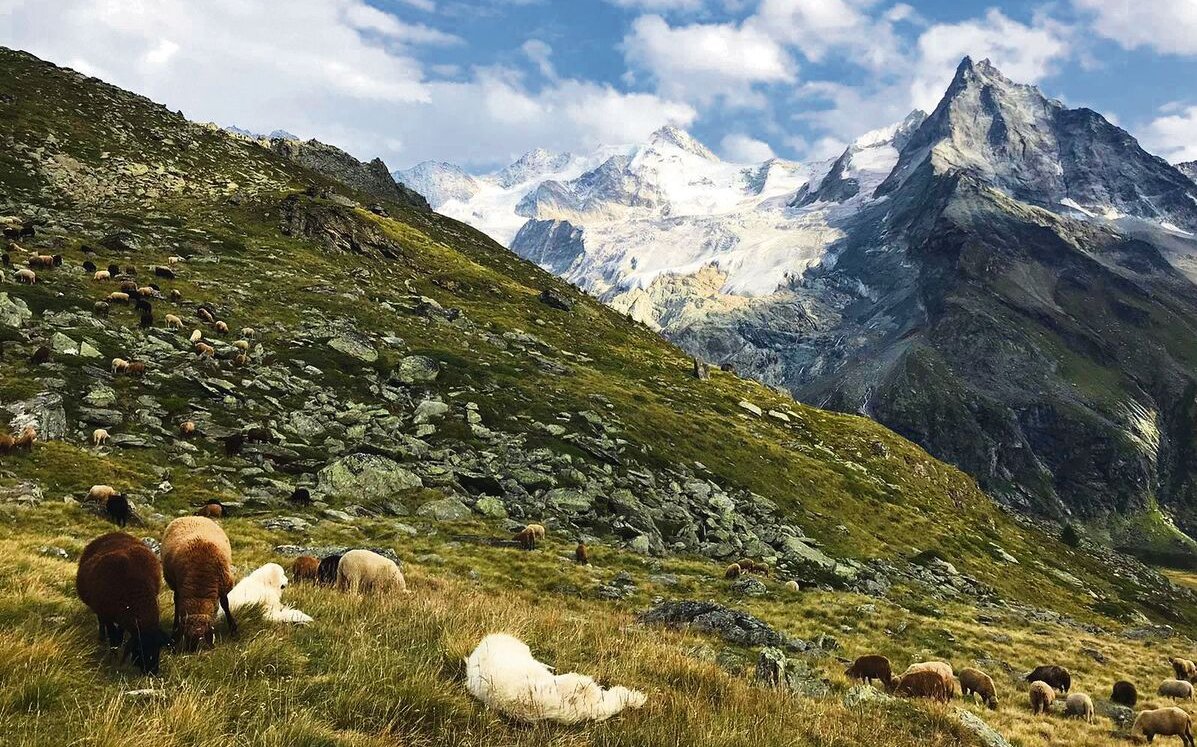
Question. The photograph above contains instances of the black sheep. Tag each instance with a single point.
(89, 265)
(164, 272)
(1056, 676)
(117, 508)
(1125, 694)
(40, 356)
(302, 496)
(114, 270)
(327, 572)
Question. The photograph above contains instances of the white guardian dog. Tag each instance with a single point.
(503, 674)
(264, 587)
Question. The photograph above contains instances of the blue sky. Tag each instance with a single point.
(479, 82)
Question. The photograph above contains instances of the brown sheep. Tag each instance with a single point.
(1125, 693)
(306, 568)
(582, 554)
(974, 681)
(136, 368)
(1042, 697)
(187, 429)
(7, 443)
(746, 565)
(925, 684)
(27, 276)
(43, 260)
(205, 315)
(241, 360)
(1165, 722)
(1079, 705)
(146, 291)
(99, 437)
(733, 571)
(526, 538)
(176, 295)
(211, 510)
(221, 327)
(873, 667)
(204, 350)
(197, 562)
(118, 579)
(1184, 669)
(26, 440)
(117, 297)
(102, 275)
(242, 345)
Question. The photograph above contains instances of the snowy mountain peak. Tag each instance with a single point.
(534, 163)
(863, 164)
(439, 182)
(670, 135)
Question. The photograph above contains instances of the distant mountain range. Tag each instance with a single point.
(1007, 281)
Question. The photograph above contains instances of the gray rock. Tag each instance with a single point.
(13, 311)
(859, 695)
(286, 524)
(569, 501)
(87, 350)
(336, 515)
(445, 509)
(44, 412)
(366, 475)
(417, 369)
(355, 346)
(430, 410)
(491, 507)
(749, 587)
(974, 723)
(60, 343)
(733, 626)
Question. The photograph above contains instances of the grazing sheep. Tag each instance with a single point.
(1184, 669)
(119, 365)
(1165, 722)
(264, 588)
(173, 260)
(205, 315)
(136, 368)
(7, 443)
(502, 673)
(174, 321)
(117, 297)
(974, 681)
(242, 345)
(26, 440)
(196, 336)
(128, 286)
(99, 437)
(326, 574)
(41, 355)
(45, 260)
(940, 667)
(205, 351)
(746, 565)
(1042, 697)
(249, 332)
(306, 568)
(186, 429)
(221, 328)
(89, 266)
(100, 308)
(211, 510)
(872, 667)
(114, 270)
(146, 292)
(26, 276)
(1079, 705)
(526, 538)
(176, 295)
(301, 495)
(582, 554)
(1056, 676)
(118, 579)
(925, 684)
(101, 493)
(792, 585)
(197, 564)
(241, 360)
(364, 570)
(164, 272)
(1176, 689)
(117, 508)
(1125, 693)
(735, 570)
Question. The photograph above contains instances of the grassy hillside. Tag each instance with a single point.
(401, 340)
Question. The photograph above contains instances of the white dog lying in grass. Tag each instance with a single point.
(503, 674)
(264, 587)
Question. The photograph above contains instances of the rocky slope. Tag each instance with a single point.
(405, 369)
(1007, 281)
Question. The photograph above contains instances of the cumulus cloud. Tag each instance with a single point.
(706, 61)
(819, 27)
(742, 148)
(1024, 53)
(1173, 135)
(337, 70)
(1168, 26)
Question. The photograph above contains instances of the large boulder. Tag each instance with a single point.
(733, 626)
(361, 476)
(44, 412)
(13, 311)
(417, 369)
(445, 509)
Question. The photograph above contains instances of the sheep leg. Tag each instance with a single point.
(228, 614)
(178, 626)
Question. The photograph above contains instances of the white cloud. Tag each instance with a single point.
(703, 62)
(1168, 26)
(336, 70)
(1173, 135)
(742, 148)
(541, 55)
(819, 27)
(1024, 53)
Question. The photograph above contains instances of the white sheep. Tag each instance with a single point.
(264, 587)
(174, 321)
(1176, 689)
(196, 336)
(363, 570)
(99, 437)
(503, 674)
